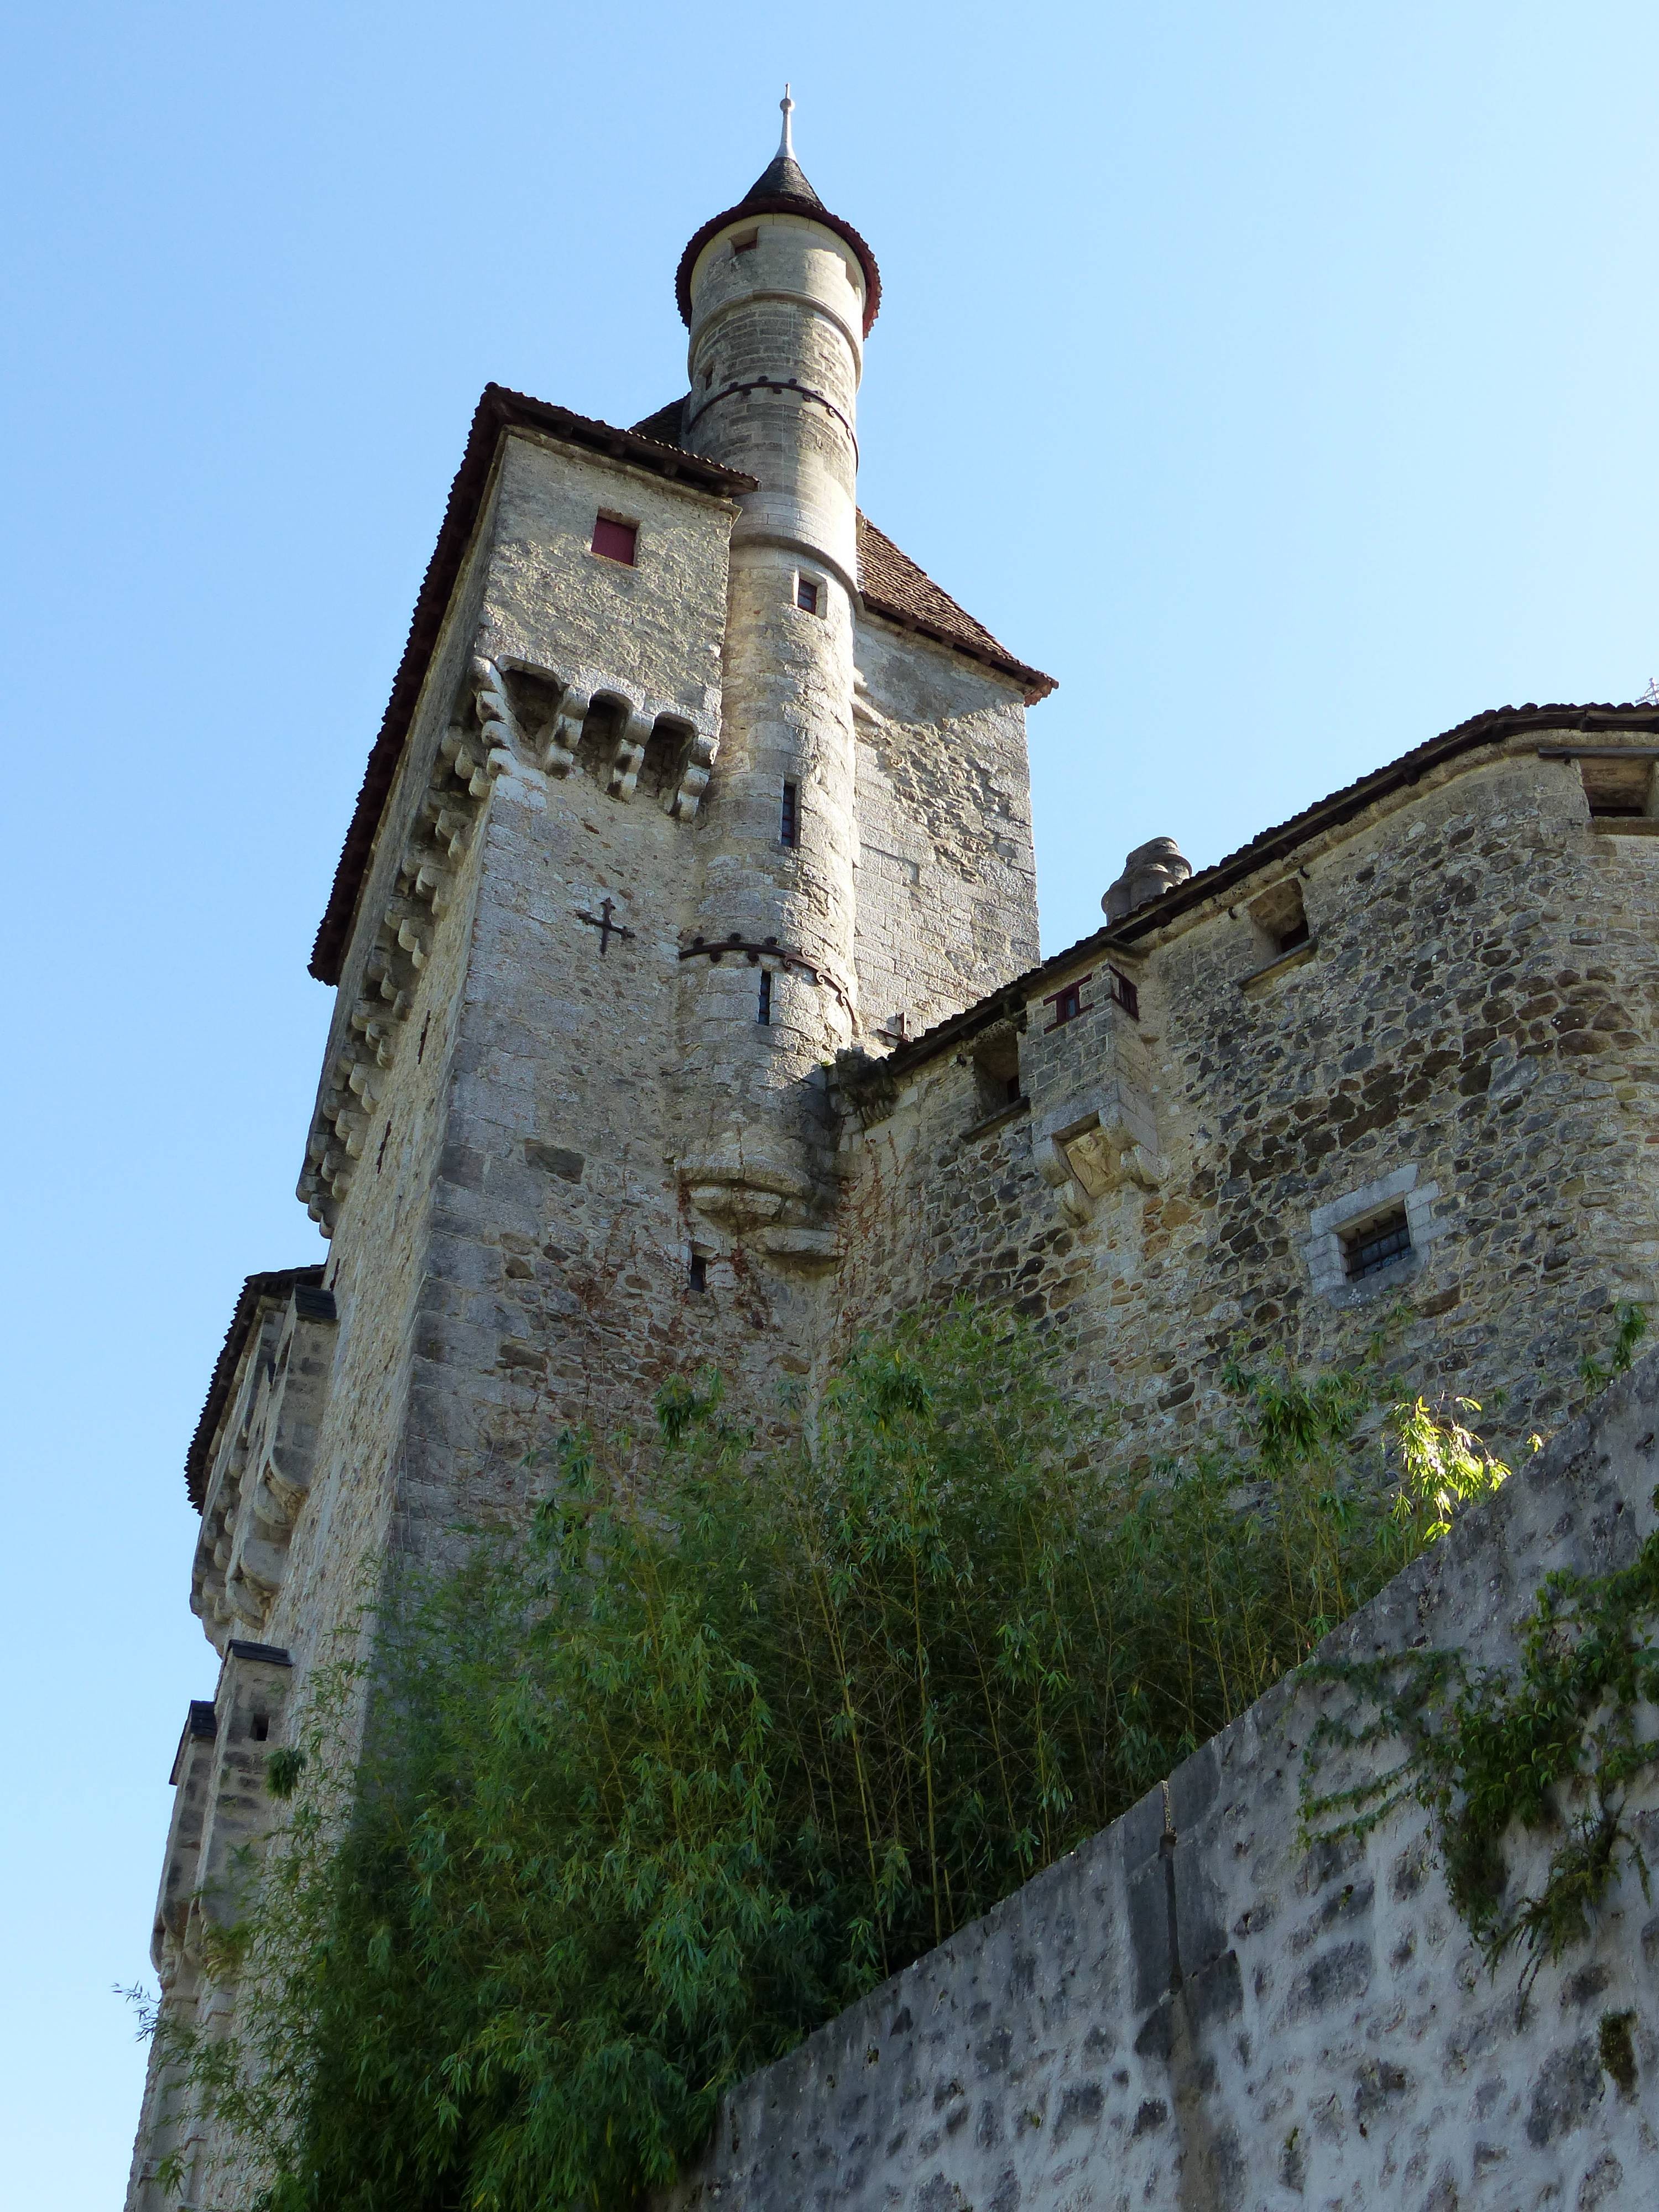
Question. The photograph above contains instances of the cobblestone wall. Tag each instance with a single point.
(1469, 1032)
(1239, 2024)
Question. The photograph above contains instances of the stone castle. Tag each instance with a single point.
(690, 1013)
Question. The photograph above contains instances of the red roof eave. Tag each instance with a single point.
(1266, 850)
(498, 411)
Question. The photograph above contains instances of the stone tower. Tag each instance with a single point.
(779, 295)
(692, 792)
(688, 1012)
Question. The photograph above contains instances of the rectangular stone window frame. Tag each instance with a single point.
(1621, 790)
(998, 1094)
(1280, 915)
(1067, 1002)
(1279, 921)
(1617, 790)
(809, 594)
(745, 241)
(1333, 1227)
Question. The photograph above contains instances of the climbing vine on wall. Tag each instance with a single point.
(1547, 1748)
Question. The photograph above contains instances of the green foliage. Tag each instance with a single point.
(1630, 1327)
(283, 1770)
(1443, 1465)
(729, 1735)
(1549, 1748)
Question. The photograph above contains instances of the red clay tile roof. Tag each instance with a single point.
(893, 587)
(498, 411)
(1264, 850)
(276, 1284)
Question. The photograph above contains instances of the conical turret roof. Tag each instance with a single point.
(781, 189)
(783, 178)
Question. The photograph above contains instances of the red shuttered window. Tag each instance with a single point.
(616, 540)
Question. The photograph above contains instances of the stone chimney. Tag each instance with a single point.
(1150, 871)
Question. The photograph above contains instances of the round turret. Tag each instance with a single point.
(779, 293)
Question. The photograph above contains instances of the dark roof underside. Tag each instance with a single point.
(1266, 850)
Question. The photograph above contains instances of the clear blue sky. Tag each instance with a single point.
(1281, 377)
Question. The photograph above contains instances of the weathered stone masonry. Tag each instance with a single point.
(1194, 2012)
(690, 1013)
(573, 1130)
(1470, 1031)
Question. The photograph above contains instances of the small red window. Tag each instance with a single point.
(616, 540)
(1067, 1002)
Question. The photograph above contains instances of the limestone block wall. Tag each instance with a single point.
(1230, 2022)
(1472, 1031)
(222, 1819)
(652, 633)
(559, 1287)
(947, 873)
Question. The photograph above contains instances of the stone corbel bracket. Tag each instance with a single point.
(629, 756)
(744, 1185)
(1082, 1152)
(694, 771)
(468, 763)
(259, 1484)
(552, 746)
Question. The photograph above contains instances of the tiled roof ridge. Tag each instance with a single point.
(897, 588)
(498, 409)
(1267, 847)
(275, 1283)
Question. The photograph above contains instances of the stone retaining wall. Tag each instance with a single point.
(1240, 2023)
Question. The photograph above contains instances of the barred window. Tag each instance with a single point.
(1376, 1243)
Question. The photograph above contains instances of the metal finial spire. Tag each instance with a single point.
(786, 146)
